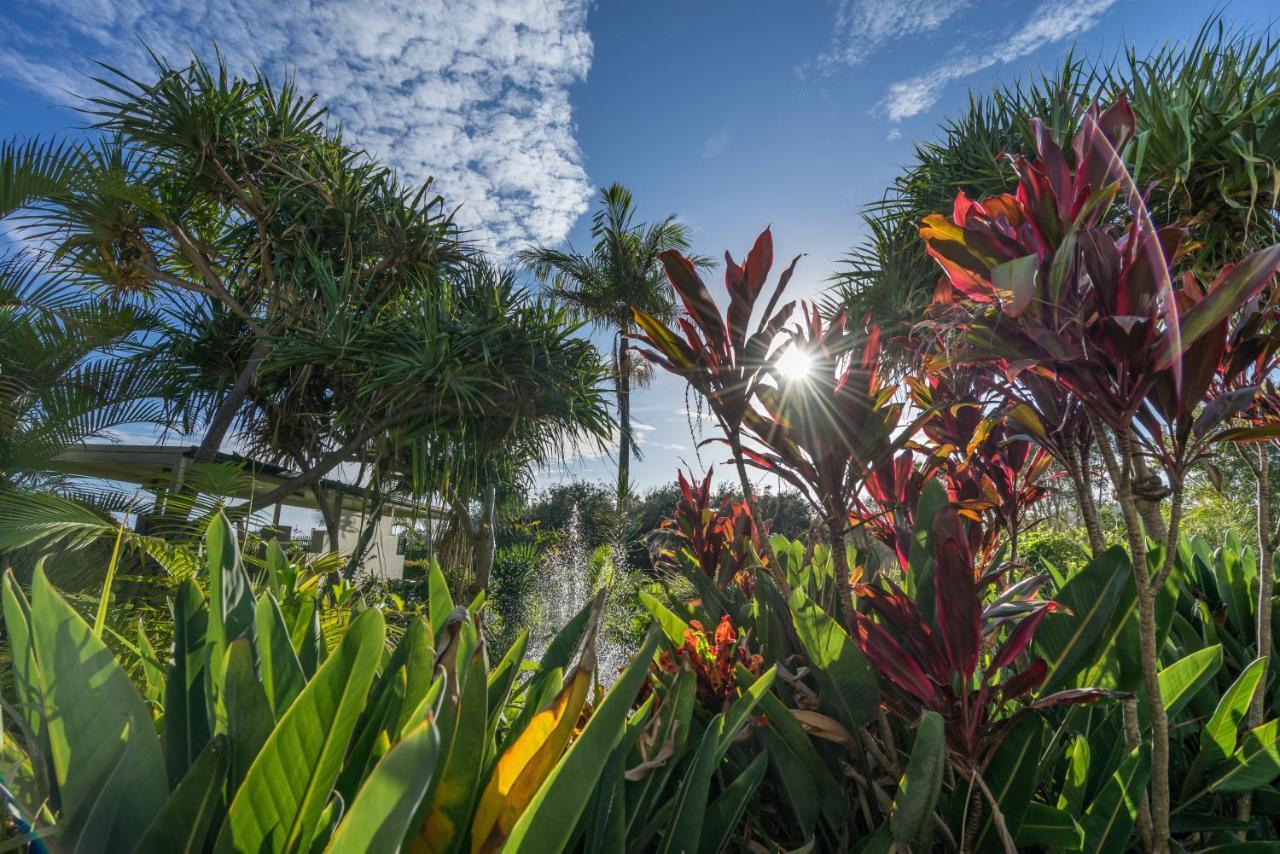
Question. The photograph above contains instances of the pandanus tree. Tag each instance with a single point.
(1049, 280)
(235, 194)
(622, 270)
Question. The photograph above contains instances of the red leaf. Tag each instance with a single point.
(958, 611)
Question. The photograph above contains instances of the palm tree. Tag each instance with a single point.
(621, 270)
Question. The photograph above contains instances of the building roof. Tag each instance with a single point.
(154, 467)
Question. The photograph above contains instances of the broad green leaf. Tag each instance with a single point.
(920, 555)
(91, 826)
(692, 796)
(371, 738)
(672, 728)
(183, 822)
(86, 691)
(382, 813)
(1237, 575)
(230, 594)
(282, 677)
(439, 600)
(1108, 822)
(1075, 783)
(186, 705)
(280, 801)
(1068, 640)
(551, 818)
(504, 676)
(1180, 681)
(1046, 827)
(26, 669)
(453, 795)
(1218, 738)
(152, 672)
(1255, 764)
(671, 624)
(104, 598)
(848, 687)
(742, 709)
(246, 712)
(1011, 776)
(724, 814)
(911, 819)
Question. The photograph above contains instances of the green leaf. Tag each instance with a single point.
(246, 712)
(671, 624)
(920, 554)
(1180, 681)
(230, 594)
(152, 673)
(282, 677)
(89, 828)
(742, 708)
(848, 687)
(724, 815)
(552, 816)
(911, 819)
(1218, 738)
(287, 787)
(692, 796)
(1076, 781)
(26, 669)
(439, 600)
(1012, 775)
(104, 598)
(1108, 822)
(1046, 827)
(503, 678)
(382, 813)
(84, 691)
(1255, 764)
(1068, 641)
(451, 800)
(183, 822)
(186, 704)
(1017, 280)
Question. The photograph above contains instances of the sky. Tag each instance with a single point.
(733, 115)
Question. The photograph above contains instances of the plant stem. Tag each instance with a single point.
(1148, 637)
(1088, 508)
(997, 817)
(840, 560)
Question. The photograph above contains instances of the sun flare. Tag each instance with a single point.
(794, 364)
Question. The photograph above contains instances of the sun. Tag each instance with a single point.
(794, 364)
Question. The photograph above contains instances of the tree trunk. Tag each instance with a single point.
(486, 543)
(1088, 507)
(624, 426)
(844, 583)
(331, 512)
(225, 415)
(366, 534)
(1266, 588)
(1148, 644)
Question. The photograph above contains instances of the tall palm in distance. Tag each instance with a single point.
(621, 270)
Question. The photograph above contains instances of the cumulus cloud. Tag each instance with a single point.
(862, 27)
(475, 94)
(1050, 22)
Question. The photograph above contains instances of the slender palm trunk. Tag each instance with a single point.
(624, 425)
(1087, 506)
(1266, 588)
(485, 538)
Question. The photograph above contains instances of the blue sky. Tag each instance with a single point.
(735, 115)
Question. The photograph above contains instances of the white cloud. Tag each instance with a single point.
(475, 94)
(717, 143)
(894, 135)
(1052, 21)
(862, 27)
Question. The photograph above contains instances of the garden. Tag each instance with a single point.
(1017, 592)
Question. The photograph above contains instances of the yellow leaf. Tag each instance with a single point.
(526, 764)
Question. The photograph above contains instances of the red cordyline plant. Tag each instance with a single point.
(724, 542)
(993, 472)
(828, 432)
(721, 356)
(1045, 282)
(894, 487)
(945, 657)
(712, 656)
